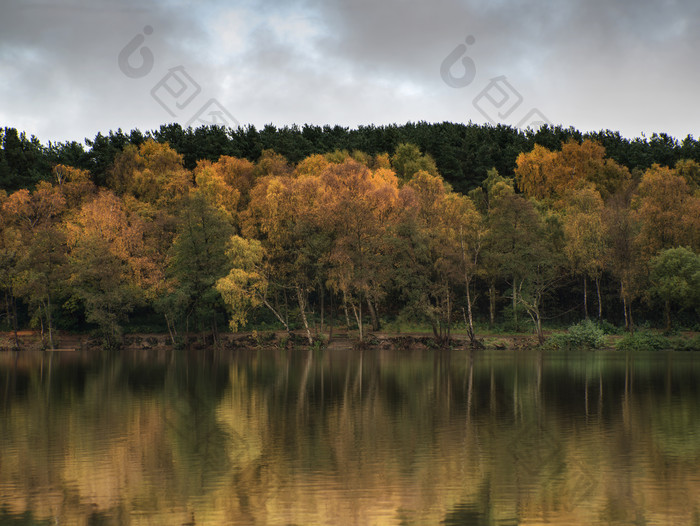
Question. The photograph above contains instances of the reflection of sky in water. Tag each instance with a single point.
(349, 438)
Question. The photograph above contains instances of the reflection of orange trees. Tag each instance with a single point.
(334, 439)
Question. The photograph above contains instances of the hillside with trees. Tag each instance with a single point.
(435, 225)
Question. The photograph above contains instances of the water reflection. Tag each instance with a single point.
(302, 437)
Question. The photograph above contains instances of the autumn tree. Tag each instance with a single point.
(152, 172)
(545, 174)
(667, 212)
(359, 206)
(108, 262)
(535, 173)
(443, 253)
(243, 288)
(237, 174)
(74, 184)
(689, 170)
(41, 258)
(283, 215)
(622, 254)
(211, 183)
(584, 232)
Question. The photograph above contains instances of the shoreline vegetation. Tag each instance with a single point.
(461, 229)
(592, 340)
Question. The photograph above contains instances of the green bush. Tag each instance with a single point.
(609, 328)
(680, 343)
(583, 335)
(642, 341)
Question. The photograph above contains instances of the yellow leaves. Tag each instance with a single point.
(244, 286)
(154, 172)
(210, 182)
(313, 165)
(430, 190)
(354, 196)
(690, 171)
(667, 211)
(74, 184)
(17, 203)
(106, 220)
(67, 174)
(29, 210)
(271, 164)
(544, 174)
(534, 172)
(584, 230)
(236, 173)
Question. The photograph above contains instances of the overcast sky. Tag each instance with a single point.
(71, 68)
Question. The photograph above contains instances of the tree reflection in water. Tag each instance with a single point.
(383, 437)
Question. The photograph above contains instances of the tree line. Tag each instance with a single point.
(351, 237)
(463, 153)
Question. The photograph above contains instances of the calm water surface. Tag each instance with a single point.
(381, 437)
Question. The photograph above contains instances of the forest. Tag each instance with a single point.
(440, 226)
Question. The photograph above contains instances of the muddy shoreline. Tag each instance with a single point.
(31, 340)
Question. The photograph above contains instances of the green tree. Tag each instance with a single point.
(196, 261)
(675, 279)
(525, 248)
(408, 160)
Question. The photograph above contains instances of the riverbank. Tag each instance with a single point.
(347, 340)
(32, 340)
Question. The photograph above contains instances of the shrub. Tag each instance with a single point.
(642, 341)
(680, 343)
(583, 335)
(609, 328)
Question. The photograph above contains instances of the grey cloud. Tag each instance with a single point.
(587, 63)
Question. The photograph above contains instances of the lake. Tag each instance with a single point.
(349, 437)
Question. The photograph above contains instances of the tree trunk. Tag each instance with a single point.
(472, 336)
(449, 315)
(14, 321)
(373, 315)
(171, 329)
(358, 317)
(492, 304)
(436, 332)
(667, 314)
(538, 325)
(330, 320)
(43, 336)
(515, 304)
(345, 308)
(277, 314)
(629, 313)
(302, 309)
(600, 303)
(322, 307)
(49, 321)
(585, 296)
(215, 331)
(627, 306)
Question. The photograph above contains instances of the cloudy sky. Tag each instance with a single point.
(71, 68)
